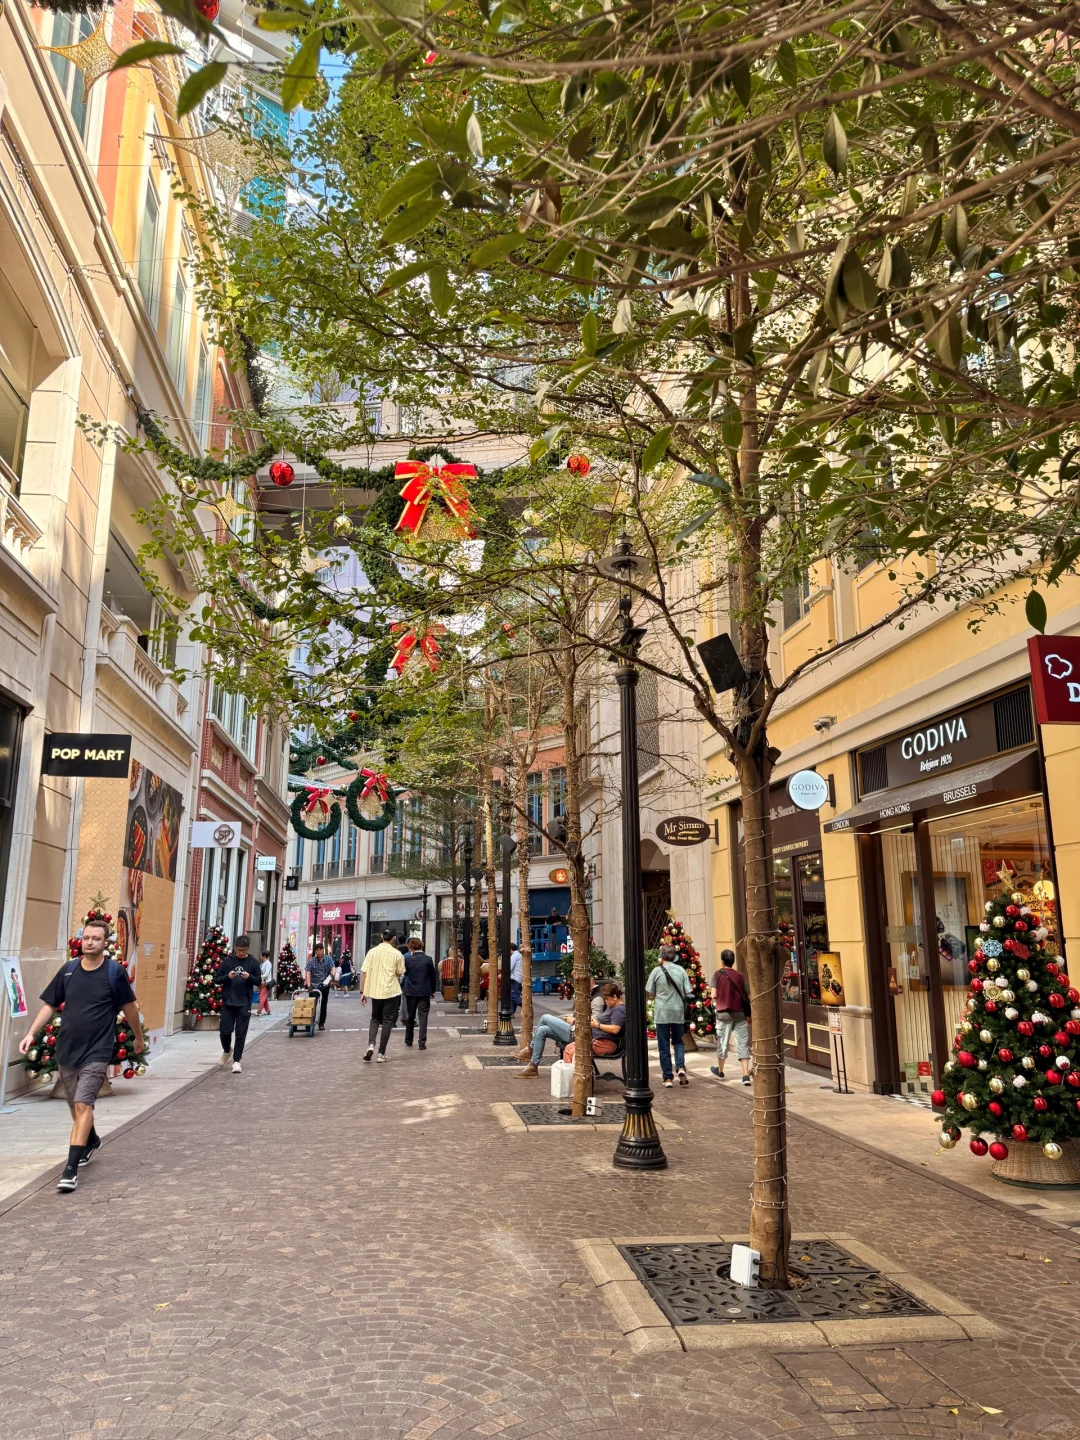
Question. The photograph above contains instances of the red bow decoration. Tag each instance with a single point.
(429, 646)
(375, 784)
(428, 482)
(316, 795)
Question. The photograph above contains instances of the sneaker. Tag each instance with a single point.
(380, 1059)
(684, 1079)
(668, 1084)
(236, 1067)
(90, 1152)
(529, 1073)
(746, 1079)
(369, 1052)
(69, 1180)
(715, 1070)
(322, 1027)
(423, 1045)
(226, 1057)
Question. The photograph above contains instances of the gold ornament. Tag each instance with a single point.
(1017, 898)
(1028, 1063)
(1052, 1150)
(93, 57)
(187, 485)
(985, 1036)
(228, 509)
(997, 1085)
(946, 1141)
(969, 1102)
(993, 964)
(342, 525)
(966, 1028)
(1023, 974)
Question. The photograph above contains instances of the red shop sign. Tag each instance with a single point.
(1055, 678)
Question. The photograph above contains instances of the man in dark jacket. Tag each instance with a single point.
(418, 985)
(236, 974)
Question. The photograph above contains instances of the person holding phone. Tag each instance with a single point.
(237, 974)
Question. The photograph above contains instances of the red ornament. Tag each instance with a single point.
(121, 1054)
(1057, 1000)
(1051, 968)
(978, 1147)
(976, 985)
(1005, 1055)
(1053, 1077)
(1073, 1079)
(991, 1007)
(1073, 994)
(425, 483)
(1073, 1027)
(1040, 1104)
(129, 1073)
(282, 473)
(1027, 1028)
(1012, 911)
(354, 715)
(320, 760)
(1020, 926)
(966, 1059)
(50, 1039)
(1061, 1039)
(1045, 1051)
(578, 465)
(1009, 945)
(938, 1098)
(431, 57)
(208, 8)
(998, 1151)
(973, 965)
(1019, 1133)
(995, 1107)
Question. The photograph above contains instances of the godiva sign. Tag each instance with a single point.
(946, 743)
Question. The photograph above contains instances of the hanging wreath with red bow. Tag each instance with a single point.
(371, 801)
(306, 802)
(412, 640)
(452, 517)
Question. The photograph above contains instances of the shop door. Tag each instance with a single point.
(804, 935)
(907, 973)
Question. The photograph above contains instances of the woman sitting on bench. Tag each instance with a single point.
(608, 1029)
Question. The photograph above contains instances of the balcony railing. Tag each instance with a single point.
(348, 868)
(317, 871)
(18, 531)
(331, 870)
(119, 644)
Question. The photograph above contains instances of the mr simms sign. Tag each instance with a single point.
(106, 756)
(683, 830)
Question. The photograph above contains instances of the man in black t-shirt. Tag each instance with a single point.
(90, 991)
(236, 975)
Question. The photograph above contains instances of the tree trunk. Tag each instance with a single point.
(492, 917)
(579, 915)
(526, 932)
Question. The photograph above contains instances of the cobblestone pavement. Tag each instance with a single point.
(322, 1249)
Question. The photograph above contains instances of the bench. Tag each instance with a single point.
(619, 1053)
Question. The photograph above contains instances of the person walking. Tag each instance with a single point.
(380, 982)
(266, 980)
(317, 977)
(517, 963)
(237, 974)
(420, 983)
(669, 985)
(90, 991)
(731, 997)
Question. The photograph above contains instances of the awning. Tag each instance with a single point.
(1013, 774)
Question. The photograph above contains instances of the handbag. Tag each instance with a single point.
(745, 999)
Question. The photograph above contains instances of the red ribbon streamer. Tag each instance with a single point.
(426, 483)
(316, 795)
(375, 784)
(429, 647)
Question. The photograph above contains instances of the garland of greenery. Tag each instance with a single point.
(203, 468)
(309, 832)
(352, 798)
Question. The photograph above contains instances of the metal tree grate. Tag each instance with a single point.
(558, 1113)
(692, 1285)
(489, 1062)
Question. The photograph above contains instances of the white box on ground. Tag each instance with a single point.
(562, 1079)
(744, 1265)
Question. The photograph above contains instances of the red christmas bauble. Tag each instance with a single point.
(208, 8)
(1057, 1000)
(1073, 1079)
(107, 918)
(1012, 911)
(1073, 994)
(282, 473)
(973, 965)
(938, 1098)
(50, 1039)
(1045, 1051)
(1026, 1027)
(1073, 1027)
(1051, 968)
(121, 1054)
(1053, 1077)
(1019, 1133)
(129, 1073)
(1061, 1039)
(999, 1151)
(320, 760)
(995, 1107)
(354, 715)
(966, 1059)
(1040, 1103)
(1020, 926)
(1005, 1055)
(976, 985)
(991, 1007)
(978, 1147)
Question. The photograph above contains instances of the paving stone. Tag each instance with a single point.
(834, 1385)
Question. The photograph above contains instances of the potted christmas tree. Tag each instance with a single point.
(202, 998)
(1014, 1079)
(289, 976)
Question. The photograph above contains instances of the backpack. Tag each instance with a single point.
(114, 971)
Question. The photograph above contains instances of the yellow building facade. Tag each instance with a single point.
(938, 787)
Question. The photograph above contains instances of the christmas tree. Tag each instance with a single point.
(40, 1059)
(702, 1014)
(203, 994)
(1015, 1077)
(289, 976)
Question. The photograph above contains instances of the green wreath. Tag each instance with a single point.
(352, 796)
(309, 832)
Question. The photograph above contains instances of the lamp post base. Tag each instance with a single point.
(504, 1035)
(639, 1145)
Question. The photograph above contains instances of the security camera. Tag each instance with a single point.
(824, 722)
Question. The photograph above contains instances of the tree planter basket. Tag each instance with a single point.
(1026, 1165)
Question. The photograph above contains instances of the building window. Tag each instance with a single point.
(14, 413)
(416, 832)
(201, 414)
(178, 327)
(333, 856)
(348, 865)
(796, 600)
(69, 30)
(149, 262)
(377, 857)
(318, 865)
(534, 810)
(235, 717)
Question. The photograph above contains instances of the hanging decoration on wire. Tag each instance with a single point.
(452, 516)
(92, 57)
(235, 161)
(307, 801)
(411, 640)
(371, 800)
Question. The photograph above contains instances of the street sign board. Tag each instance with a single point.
(105, 756)
(683, 830)
(808, 790)
(1055, 678)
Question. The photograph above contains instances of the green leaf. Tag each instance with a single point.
(731, 426)
(538, 449)
(819, 482)
(697, 522)
(589, 331)
(147, 50)
(584, 264)
(743, 337)
(740, 79)
(397, 278)
(411, 221)
(787, 64)
(656, 449)
(415, 182)
(278, 20)
(956, 231)
(199, 84)
(949, 341)
(859, 289)
(834, 144)
(442, 292)
(835, 304)
(301, 72)
(1035, 610)
(475, 136)
(492, 251)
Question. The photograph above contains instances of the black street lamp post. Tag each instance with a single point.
(504, 1035)
(315, 926)
(466, 924)
(639, 1145)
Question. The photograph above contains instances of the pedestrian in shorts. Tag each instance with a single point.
(91, 991)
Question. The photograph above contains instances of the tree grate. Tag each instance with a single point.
(489, 1062)
(692, 1285)
(553, 1114)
